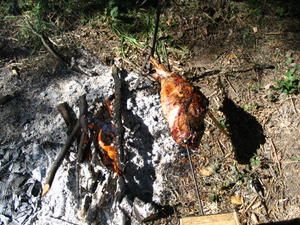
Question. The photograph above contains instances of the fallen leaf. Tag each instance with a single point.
(237, 199)
(206, 171)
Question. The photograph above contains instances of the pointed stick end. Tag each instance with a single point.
(46, 189)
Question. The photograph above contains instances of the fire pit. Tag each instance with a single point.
(104, 196)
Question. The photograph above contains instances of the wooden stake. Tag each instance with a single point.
(217, 219)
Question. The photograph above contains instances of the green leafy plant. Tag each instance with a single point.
(214, 197)
(223, 123)
(290, 83)
(250, 106)
(255, 161)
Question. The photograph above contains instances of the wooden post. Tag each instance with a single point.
(217, 219)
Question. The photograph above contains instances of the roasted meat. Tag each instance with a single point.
(183, 106)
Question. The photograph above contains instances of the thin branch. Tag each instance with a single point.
(230, 84)
(68, 115)
(276, 157)
(48, 44)
(217, 123)
(50, 47)
(83, 143)
(60, 157)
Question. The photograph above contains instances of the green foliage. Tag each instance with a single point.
(255, 161)
(223, 123)
(280, 11)
(255, 7)
(214, 197)
(290, 83)
(250, 106)
(124, 17)
(296, 159)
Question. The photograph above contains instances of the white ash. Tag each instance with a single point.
(147, 140)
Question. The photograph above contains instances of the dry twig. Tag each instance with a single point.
(48, 44)
(230, 84)
(217, 123)
(276, 156)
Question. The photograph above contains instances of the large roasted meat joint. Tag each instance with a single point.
(183, 106)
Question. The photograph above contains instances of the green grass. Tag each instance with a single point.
(290, 83)
(296, 159)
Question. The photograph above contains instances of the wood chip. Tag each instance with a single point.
(237, 199)
(254, 218)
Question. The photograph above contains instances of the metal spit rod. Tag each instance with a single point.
(195, 182)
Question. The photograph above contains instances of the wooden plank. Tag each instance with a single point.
(216, 219)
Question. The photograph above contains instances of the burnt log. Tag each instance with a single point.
(118, 112)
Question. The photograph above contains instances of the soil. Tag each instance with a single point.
(235, 53)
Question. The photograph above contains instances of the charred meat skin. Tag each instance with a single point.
(183, 106)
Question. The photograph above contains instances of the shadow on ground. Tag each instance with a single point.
(139, 179)
(245, 131)
(287, 222)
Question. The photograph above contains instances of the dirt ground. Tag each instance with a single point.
(235, 53)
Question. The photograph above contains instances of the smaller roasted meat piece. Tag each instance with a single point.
(183, 106)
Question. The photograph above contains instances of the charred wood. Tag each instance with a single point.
(59, 159)
(68, 115)
(118, 112)
(84, 138)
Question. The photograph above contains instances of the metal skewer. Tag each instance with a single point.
(195, 182)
